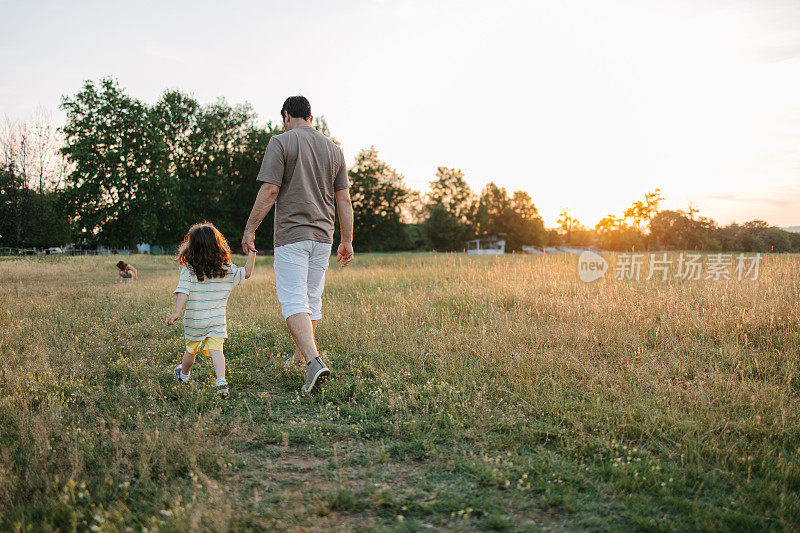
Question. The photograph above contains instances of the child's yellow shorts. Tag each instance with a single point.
(212, 343)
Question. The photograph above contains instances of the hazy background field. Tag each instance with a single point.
(468, 392)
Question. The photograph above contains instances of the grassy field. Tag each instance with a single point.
(467, 393)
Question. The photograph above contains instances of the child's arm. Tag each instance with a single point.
(180, 303)
(250, 264)
(135, 273)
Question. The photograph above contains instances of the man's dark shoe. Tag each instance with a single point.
(316, 372)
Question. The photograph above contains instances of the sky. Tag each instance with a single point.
(583, 104)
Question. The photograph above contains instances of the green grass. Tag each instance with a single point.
(467, 393)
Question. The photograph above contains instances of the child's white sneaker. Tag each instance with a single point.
(177, 373)
(222, 387)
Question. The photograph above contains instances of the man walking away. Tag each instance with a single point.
(302, 173)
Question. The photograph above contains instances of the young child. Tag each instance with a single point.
(126, 272)
(206, 280)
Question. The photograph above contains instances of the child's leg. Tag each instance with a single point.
(218, 358)
(192, 347)
(188, 361)
(213, 348)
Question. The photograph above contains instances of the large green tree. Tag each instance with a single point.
(450, 211)
(112, 192)
(146, 173)
(676, 230)
(30, 217)
(527, 226)
(452, 192)
(211, 158)
(14, 196)
(378, 195)
(516, 217)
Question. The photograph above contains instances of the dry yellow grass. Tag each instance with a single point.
(502, 385)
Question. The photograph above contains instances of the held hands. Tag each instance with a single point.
(172, 318)
(248, 242)
(345, 253)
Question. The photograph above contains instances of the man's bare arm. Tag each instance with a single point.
(345, 208)
(264, 201)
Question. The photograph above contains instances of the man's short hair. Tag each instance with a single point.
(297, 107)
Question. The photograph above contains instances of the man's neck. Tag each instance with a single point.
(297, 123)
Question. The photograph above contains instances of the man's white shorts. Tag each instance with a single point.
(300, 277)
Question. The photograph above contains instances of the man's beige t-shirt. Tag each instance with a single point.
(308, 168)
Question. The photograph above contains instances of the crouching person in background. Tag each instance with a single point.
(126, 272)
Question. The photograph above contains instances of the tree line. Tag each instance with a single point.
(644, 226)
(121, 172)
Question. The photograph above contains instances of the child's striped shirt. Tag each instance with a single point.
(205, 308)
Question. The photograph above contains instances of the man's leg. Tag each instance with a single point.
(302, 330)
(315, 282)
(318, 262)
(298, 355)
(291, 273)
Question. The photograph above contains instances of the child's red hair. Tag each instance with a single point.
(205, 251)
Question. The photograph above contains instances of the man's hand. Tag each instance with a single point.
(344, 253)
(249, 242)
(172, 318)
(265, 199)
